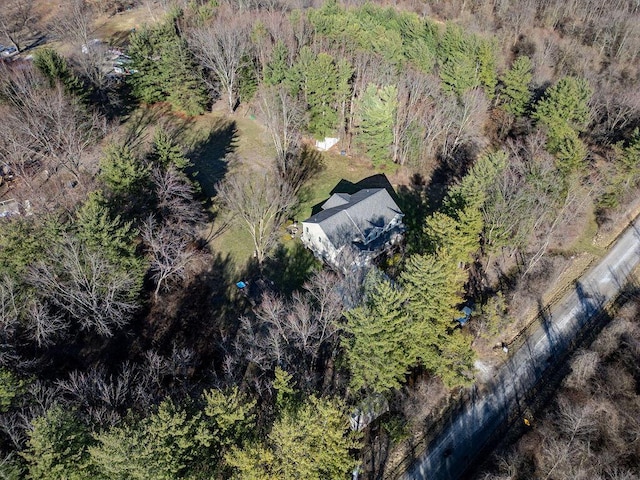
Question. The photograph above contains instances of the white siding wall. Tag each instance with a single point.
(314, 238)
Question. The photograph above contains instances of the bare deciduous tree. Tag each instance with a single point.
(415, 98)
(85, 287)
(8, 302)
(75, 22)
(614, 108)
(44, 326)
(45, 124)
(90, 65)
(170, 252)
(293, 333)
(222, 49)
(466, 121)
(16, 20)
(583, 367)
(261, 202)
(283, 115)
(176, 202)
(170, 235)
(104, 397)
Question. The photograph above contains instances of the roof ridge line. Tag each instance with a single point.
(346, 210)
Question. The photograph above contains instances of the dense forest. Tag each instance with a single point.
(510, 130)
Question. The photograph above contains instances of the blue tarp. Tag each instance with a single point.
(241, 285)
(466, 311)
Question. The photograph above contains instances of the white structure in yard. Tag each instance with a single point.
(9, 208)
(351, 230)
(326, 144)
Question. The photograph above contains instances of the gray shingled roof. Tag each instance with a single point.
(347, 218)
(336, 200)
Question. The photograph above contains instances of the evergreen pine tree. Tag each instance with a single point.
(459, 73)
(165, 69)
(275, 71)
(379, 349)
(626, 171)
(323, 84)
(24, 242)
(487, 66)
(10, 387)
(164, 446)
(150, 80)
(564, 111)
(123, 174)
(229, 416)
(108, 235)
(433, 284)
(247, 80)
(569, 150)
(56, 69)
(166, 152)
(311, 442)
(515, 94)
(377, 111)
(459, 235)
(57, 447)
(471, 190)
(567, 101)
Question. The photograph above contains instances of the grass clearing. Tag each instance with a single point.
(115, 29)
(215, 135)
(237, 244)
(254, 144)
(211, 138)
(337, 167)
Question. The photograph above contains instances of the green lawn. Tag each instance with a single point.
(236, 243)
(215, 135)
(212, 137)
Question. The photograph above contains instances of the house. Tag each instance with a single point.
(353, 228)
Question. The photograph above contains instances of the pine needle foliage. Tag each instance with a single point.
(379, 348)
(165, 71)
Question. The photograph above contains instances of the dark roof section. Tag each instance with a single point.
(350, 218)
(336, 200)
(379, 180)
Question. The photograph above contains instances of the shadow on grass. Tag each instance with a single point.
(208, 155)
(290, 267)
(158, 115)
(200, 315)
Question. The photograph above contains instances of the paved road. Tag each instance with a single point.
(462, 439)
